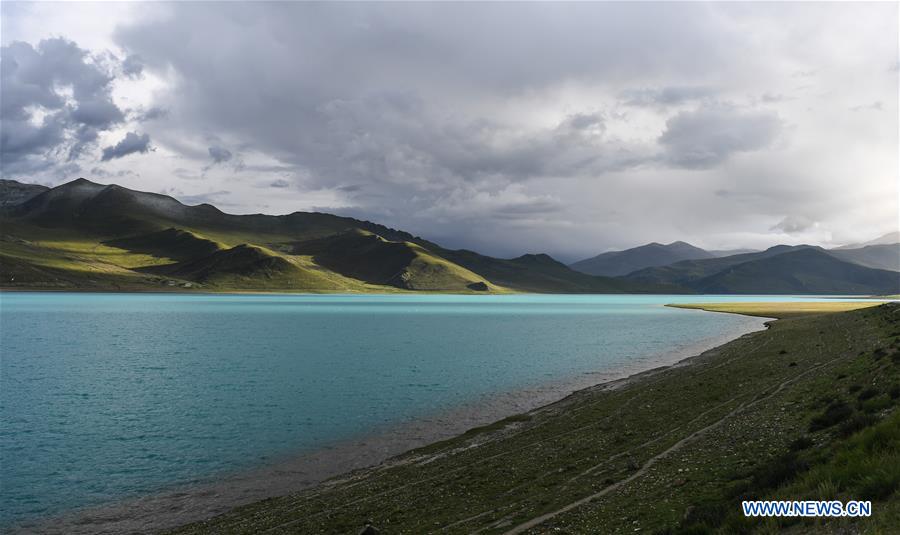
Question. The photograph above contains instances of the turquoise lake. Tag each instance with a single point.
(106, 396)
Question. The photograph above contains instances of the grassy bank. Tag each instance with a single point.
(806, 409)
(780, 309)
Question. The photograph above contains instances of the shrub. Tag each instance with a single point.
(894, 392)
(801, 443)
(868, 393)
(880, 483)
(856, 423)
(780, 470)
(876, 404)
(835, 413)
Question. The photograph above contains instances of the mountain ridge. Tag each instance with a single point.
(148, 239)
(85, 235)
(620, 263)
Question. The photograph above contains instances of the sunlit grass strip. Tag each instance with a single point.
(780, 309)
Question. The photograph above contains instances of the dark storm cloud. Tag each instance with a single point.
(569, 127)
(452, 118)
(130, 144)
(355, 122)
(706, 137)
(56, 101)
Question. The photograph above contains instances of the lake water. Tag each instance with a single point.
(105, 396)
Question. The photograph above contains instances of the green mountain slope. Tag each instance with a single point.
(618, 263)
(539, 272)
(87, 235)
(250, 267)
(172, 243)
(366, 256)
(800, 272)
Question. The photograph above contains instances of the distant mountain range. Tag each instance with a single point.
(886, 239)
(618, 263)
(82, 235)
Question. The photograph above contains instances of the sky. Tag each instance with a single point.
(507, 128)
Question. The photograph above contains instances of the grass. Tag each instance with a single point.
(672, 451)
(371, 258)
(173, 259)
(780, 309)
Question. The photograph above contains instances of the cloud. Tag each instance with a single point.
(874, 106)
(130, 144)
(132, 66)
(280, 183)
(56, 100)
(666, 96)
(152, 114)
(708, 136)
(219, 154)
(794, 224)
(582, 129)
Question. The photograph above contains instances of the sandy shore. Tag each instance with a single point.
(182, 505)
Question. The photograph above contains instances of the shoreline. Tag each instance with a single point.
(183, 504)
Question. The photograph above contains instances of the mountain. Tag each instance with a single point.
(782, 269)
(730, 252)
(618, 263)
(804, 271)
(87, 235)
(686, 272)
(13, 192)
(886, 239)
(84, 235)
(248, 267)
(532, 272)
(368, 257)
(874, 256)
(171, 243)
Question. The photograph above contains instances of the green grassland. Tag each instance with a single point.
(35, 257)
(805, 409)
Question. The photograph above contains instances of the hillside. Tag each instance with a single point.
(371, 258)
(84, 235)
(806, 271)
(171, 243)
(618, 263)
(885, 256)
(779, 270)
(532, 272)
(13, 192)
(687, 272)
